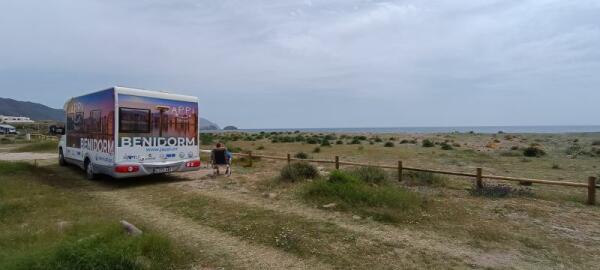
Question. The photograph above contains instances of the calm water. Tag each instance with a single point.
(483, 129)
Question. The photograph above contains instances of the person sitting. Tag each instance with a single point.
(219, 159)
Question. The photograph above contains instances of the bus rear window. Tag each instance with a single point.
(134, 120)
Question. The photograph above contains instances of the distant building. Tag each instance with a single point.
(15, 119)
(7, 129)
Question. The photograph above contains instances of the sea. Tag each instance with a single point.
(425, 130)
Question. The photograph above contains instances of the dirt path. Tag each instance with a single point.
(431, 243)
(26, 156)
(188, 232)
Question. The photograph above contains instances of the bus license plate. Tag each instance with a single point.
(163, 170)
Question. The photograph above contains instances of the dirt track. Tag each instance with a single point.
(26, 156)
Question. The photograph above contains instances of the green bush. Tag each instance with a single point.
(325, 143)
(5, 140)
(377, 139)
(317, 150)
(533, 151)
(301, 155)
(312, 140)
(354, 141)
(424, 179)
(339, 142)
(596, 142)
(427, 143)
(298, 171)
(446, 146)
(369, 174)
(388, 144)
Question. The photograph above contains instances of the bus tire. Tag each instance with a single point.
(90, 174)
(61, 158)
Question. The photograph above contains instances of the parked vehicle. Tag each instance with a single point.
(7, 129)
(125, 132)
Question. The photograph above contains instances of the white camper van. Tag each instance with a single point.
(125, 132)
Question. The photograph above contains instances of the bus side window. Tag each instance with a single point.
(133, 120)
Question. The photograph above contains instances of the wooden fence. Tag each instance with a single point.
(478, 175)
(43, 137)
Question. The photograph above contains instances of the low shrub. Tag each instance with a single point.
(5, 140)
(377, 139)
(446, 146)
(260, 147)
(354, 141)
(511, 154)
(499, 191)
(325, 143)
(339, 142)
(414, 178)
(301, 155)
(298, 171)
(369, 174)
(596, 143)
(533, 151)
(383, 202)
(388, 144)
(427, 143)
(312, 140)
(106, 247)
(317, 150)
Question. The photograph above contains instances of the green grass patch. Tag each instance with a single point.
(42, 146)
(45, 225)
(12, 167)
(96, 246)
(387, 203)
(369, 174)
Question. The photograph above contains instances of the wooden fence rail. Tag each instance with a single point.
(478, 175)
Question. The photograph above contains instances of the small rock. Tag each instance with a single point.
(330, 205)
(130, 228)
(63, 225)
(270, 195)
(355, 217)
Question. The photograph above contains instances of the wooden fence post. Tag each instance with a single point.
(289, 159)
(399, 170)
(591, 190)
(479, 180)
(337, 162)
(249, 158)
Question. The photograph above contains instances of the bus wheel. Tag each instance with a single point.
(90, 174)
(61, 158)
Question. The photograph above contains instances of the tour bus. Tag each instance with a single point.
(124, 132)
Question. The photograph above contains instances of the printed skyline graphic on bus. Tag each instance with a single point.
(90, 122)
(156, 122)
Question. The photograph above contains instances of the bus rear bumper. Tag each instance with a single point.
(127, 170)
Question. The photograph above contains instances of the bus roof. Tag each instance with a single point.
(144, 93)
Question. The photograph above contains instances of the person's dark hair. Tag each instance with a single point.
(219, 145)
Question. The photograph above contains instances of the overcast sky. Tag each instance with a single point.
(335, 63)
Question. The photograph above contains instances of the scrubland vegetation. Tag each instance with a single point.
(272, 215)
